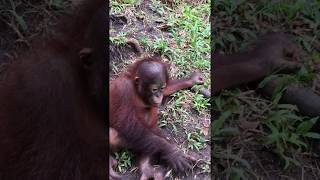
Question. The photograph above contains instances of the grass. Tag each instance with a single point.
(196, 140)
(181, 35)
(120, 40)
(287, 133)
(20, 17)
(118, 6)
(249, 129)
(124, 160)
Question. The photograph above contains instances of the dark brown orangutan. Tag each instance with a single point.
(52, 106)
(273, 52)
(134, 101)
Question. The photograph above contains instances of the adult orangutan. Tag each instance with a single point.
(134, 101)
(52, 106)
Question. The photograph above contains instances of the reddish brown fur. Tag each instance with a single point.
(51, 108)
(122, 94)
(137, 123)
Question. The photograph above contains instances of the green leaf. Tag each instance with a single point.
(288, 106)
(306, 45)
(21, 22)
(217, 124)
(305, 126)
(230, 37)
(57, 4)
(294, 139)
(276, 98)
(229, 131)
(272, 138)
(312, 135)
(236, 173)
(265, 81)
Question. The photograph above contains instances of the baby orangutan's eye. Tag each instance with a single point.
(154, 90)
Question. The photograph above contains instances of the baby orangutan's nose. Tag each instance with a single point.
(157, 99)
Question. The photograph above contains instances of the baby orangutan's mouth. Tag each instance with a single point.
(156, 104)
